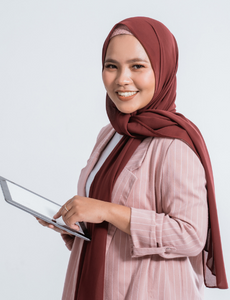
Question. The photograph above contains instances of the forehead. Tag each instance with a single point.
(125, 47)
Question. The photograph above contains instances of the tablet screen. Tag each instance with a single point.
(34, 202)
(38, 206)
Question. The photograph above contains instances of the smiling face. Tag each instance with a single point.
(127, 74)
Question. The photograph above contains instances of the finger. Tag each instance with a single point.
(68, 210)
(71, 219)
(58, 214)
(71, 222)
(63, 210)
(43, 223)
(51, 226)
(68, 216)
(75, 227)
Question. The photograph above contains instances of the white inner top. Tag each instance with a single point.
(114, 141)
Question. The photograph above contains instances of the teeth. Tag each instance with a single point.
(126, 94)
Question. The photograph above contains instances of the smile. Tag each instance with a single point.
(126, 94)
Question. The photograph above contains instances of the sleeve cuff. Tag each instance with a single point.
(146, 231)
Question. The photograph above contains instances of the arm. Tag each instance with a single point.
(94, 211)
(180, 230)
(181, 227)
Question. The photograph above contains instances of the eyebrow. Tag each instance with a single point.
(128, 61)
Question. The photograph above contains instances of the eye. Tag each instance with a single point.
(110, 66)
(138, 66)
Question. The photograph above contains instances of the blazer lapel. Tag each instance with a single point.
(125, 182)
(99, 147)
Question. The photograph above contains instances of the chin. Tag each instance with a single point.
(126, 109)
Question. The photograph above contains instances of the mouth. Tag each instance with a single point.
(126, 95)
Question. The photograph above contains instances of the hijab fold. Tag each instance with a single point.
(157, 119)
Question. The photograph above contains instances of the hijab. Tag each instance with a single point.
(157, 119)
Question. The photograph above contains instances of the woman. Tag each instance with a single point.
(145, 188)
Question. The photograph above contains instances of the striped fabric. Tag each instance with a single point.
(164, 184)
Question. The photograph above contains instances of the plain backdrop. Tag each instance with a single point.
(52, 106)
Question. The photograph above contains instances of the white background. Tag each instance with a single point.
(52, 105)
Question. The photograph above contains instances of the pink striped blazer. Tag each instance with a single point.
(164, 184)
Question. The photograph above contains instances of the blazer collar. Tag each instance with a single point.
(134, 163)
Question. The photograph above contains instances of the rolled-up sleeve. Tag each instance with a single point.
(180, 228)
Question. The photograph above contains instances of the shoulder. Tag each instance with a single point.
(166, 146)
(104, 132)
(166, 153)
(181, 151)
(177, 159)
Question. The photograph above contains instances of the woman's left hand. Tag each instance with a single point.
(80, 209)
(83, 209)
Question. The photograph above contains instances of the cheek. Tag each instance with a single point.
(104, 77)
(107, 79)
(145, 80)
(148, 83)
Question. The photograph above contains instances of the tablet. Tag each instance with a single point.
(38, 206)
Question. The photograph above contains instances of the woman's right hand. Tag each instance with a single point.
(43, 223)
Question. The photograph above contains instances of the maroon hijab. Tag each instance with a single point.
(157, 119)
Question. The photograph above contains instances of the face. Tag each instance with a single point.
(128, 75)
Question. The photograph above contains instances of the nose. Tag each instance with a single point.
(123, 77)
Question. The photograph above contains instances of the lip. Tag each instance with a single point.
(123, 98)
(125, 91)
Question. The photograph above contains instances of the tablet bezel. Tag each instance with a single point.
(8, 199)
